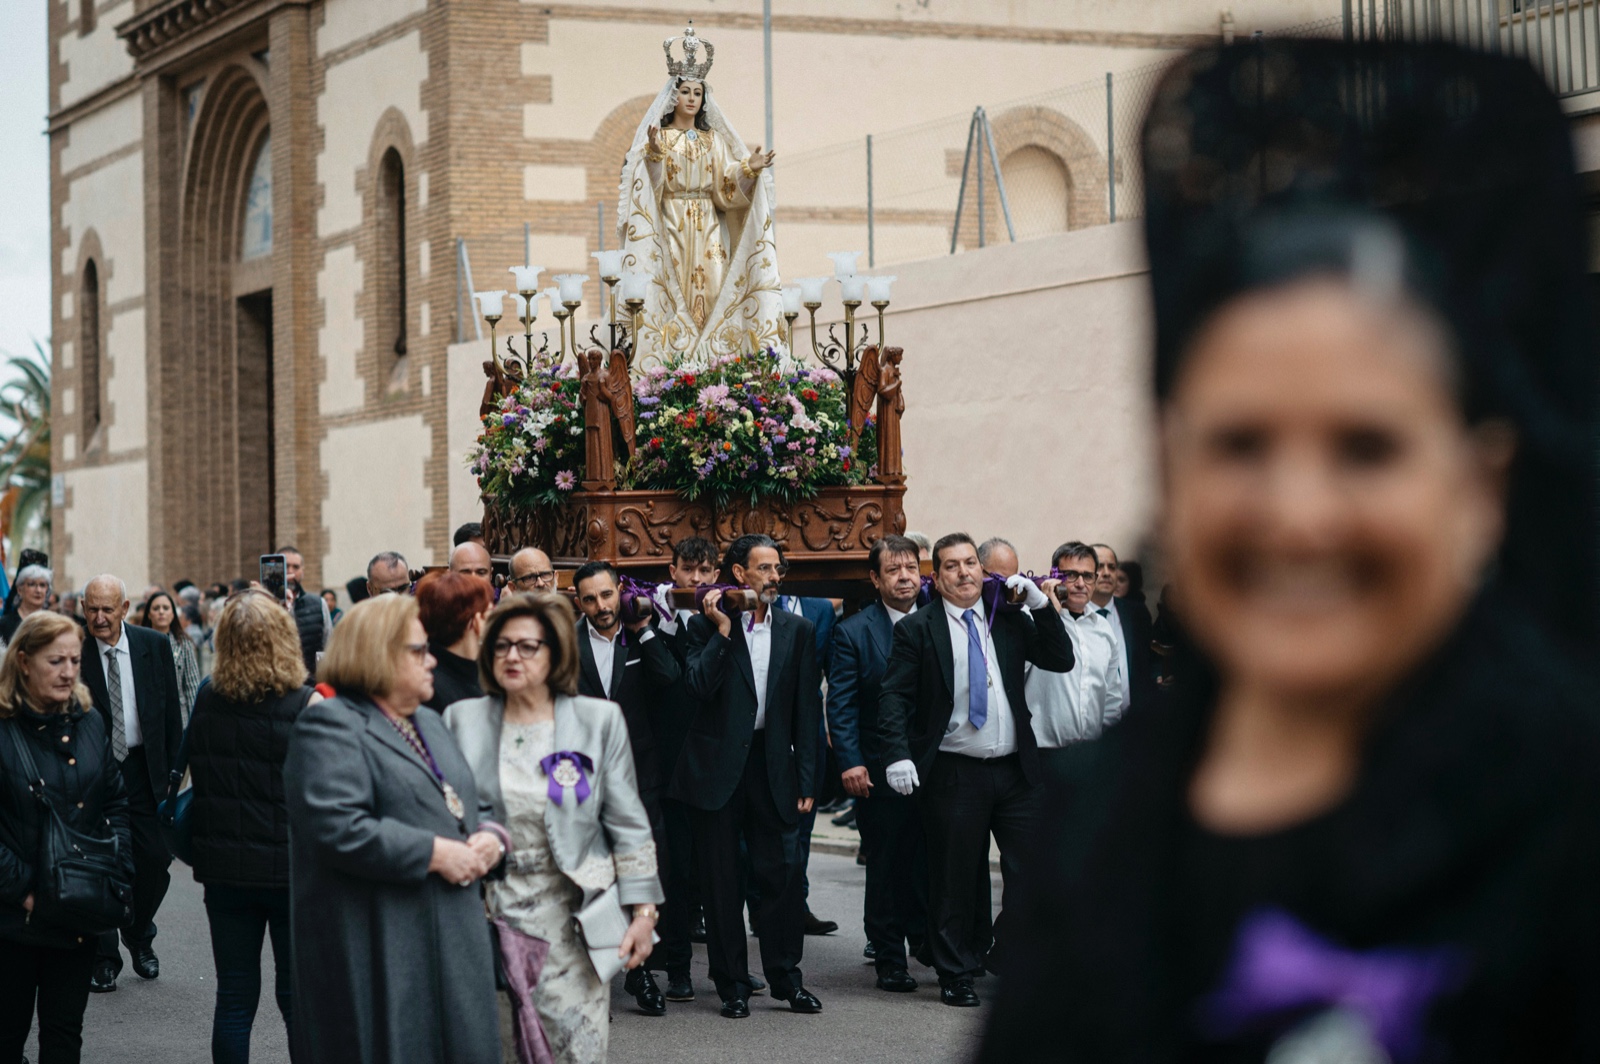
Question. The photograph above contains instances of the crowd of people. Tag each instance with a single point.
(1345, 811)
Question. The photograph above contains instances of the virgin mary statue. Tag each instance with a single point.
(695, 215)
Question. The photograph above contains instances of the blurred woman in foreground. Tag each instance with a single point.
(1368, 827)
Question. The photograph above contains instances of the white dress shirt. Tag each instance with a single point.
(895, 616)
(758, 638)
(605, 655)
(130, 700)
(998, 736)
(1122, 647)
(1068, 707)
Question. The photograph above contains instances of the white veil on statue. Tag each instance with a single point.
(747, 312)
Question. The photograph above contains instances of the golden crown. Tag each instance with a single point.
(689, 67)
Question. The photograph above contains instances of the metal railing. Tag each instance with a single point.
(1560, 38)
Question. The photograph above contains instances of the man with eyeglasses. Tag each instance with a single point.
(388, 574)
(1073, 707)
(749, 765)
(532, 570)
(1131, 623)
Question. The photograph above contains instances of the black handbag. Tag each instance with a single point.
(79, 883)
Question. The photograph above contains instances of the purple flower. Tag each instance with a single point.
(566, 480)
(508, 419)
(780, 439)
(844, 452)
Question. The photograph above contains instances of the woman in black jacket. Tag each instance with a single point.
(238, 739)
(43, 704)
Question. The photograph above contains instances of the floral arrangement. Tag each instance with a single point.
(755, 425)
(751, 425)
(531, 450)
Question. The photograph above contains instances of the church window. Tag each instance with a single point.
(257, 240)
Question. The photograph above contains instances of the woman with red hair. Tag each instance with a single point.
(452, 607)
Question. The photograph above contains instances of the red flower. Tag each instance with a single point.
(809, 393)
(556, 420)
(847, 465)
(555, 389)
(711, 416)
(655, 443)
(687, 380)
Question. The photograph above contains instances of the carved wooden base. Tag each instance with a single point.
(825, 538)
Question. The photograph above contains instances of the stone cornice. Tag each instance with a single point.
(170, 24)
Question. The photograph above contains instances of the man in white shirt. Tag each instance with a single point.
(953, 711)
(1079, 705)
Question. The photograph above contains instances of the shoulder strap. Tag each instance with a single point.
(30, 767)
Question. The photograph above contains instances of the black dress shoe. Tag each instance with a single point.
(643, 987)
(959, 994)
(896, 980)
(819, 927)
(869, 951)
(679, 987)
(758, 985)
(145, 965)
(735, 1009)
(697, 930)
(104, 978)
(803, 1000)
(846, 819)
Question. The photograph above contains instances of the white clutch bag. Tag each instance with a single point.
(602, 924)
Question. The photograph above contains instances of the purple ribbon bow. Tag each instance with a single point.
(1281, 971)
(632, 590)
(580, 764)
(522, 958)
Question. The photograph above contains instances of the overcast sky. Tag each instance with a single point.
(24, 179)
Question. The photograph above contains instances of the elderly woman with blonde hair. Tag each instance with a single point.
(238, 741)
(557, 770)
(388, 843)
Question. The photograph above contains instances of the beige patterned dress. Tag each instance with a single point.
(537, 899)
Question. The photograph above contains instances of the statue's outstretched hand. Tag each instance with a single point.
(760, 160)
(654, 134)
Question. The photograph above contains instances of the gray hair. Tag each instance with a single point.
(921, 540)
(987, 547)
(388, 559)
(35, 572)
(122, 587)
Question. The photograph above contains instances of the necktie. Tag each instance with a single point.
(119, 727)
(1102, 611)
(977, 673)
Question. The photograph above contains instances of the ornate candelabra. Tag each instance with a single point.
(841, 356)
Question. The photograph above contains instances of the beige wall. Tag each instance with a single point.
(1027, 409)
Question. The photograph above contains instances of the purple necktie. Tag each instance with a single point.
(977, 673)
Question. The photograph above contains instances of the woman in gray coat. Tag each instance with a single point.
(557, 770)
(392, 961)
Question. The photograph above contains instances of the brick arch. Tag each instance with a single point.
(1035, 126)
(211, 473)
(384, 369)
(607, 148)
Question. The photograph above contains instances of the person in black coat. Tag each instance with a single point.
(145, 742)
(1368, 825)
(749, 764)
(1130, 619)
(895, 909)
(43, 704)
(631, 664)
(239, 823)
(453, 607)
(969, 745)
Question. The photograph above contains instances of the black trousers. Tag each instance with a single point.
(776, 861)
(895, 909)
(151, 860)
(59, 980)
(669, 823)
(964, 800)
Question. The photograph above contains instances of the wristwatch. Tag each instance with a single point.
(649, 911)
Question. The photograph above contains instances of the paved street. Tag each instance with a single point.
(168, 1021)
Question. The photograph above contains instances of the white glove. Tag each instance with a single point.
(1036, 598)
(902, 777)
(661, 596)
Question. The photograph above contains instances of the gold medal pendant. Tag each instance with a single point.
(452, 802)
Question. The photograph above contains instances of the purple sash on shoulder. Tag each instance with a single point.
(523, 958)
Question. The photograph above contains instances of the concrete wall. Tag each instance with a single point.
(1027, 397)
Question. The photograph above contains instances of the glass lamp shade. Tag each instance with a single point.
(844, 263)
(791, 300)
(878, 289)
(853, 288)
(527, 277)
(491, 304)
(571, 286)
(553, 297)
(811, 289)
(634, 285)
(610, 263)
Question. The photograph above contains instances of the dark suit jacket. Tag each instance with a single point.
(640, 671)
(718, 744)
(819, 611)
(1136, 633)
(155, 683)
(860, 654)
(918, 696)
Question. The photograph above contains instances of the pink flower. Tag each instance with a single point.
(566, 480)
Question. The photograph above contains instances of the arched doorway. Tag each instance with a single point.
(217, 445)
(1039, 189)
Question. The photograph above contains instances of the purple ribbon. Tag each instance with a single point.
(632, 590)
(522, 957)
(580, 763)
(1281, 971)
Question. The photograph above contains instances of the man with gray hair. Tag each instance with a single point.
(998, 555)
(388, 573)
(133, 680)
(33, 595)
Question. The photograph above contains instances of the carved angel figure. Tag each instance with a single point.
(863, 393)
(891, 405)
(617, 391)
(598, 467)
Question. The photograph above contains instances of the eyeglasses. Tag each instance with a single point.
(548, 576)
(417, 650)
(525, 648)
(1076, 576)
(773, 569)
